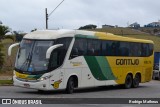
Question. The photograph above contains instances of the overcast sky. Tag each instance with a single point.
(25, 15)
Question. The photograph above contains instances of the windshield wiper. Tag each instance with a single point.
(26, 61)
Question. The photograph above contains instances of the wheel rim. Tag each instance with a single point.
(72, 86)
(136, 81)
(128, 81)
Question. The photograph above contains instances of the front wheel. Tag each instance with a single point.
(128, 81)
(70, 86)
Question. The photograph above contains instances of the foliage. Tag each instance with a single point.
(12, 37)
(3, 31)
(34, 30)
(1, 56)
(19, 35)
(90, 26)
(6, 82)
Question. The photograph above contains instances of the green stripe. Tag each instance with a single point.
(34, 76)
(105, 67)
(99, 67)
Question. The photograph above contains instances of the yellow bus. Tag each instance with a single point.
(69, 59)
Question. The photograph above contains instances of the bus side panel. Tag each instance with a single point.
(148, 69)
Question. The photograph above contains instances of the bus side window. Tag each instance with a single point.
(94, 47)
(124, 49)
(58, 55)
(145, 50)
(106, 48)
(150, 49)
(54, 59)
(79, 48)
(115, 48)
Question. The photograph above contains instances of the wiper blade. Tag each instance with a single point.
(26, 61)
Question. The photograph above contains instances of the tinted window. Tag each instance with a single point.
(150, 49)
(79, 48)
(135, 49)
(106, 48)
(124, 49)
(58, 55)
(94, 47)
(115, 48)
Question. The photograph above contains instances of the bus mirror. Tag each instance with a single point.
(10, 48)
(50, 49)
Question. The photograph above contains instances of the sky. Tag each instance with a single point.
(26, 15)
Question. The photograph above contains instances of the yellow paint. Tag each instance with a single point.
(56, 84)
(19, 75)
(121, 71)
(76, 63)
(109, 36)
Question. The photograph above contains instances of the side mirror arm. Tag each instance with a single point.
(10, 48)
(50, 49)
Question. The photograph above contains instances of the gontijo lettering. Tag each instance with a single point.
(127, 62)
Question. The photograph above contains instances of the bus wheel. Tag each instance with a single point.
(128, 81)
(136, 81)
(41, 91)
(70, 86)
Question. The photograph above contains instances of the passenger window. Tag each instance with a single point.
(79, 48)
(106, 48)
(115, 48)
(150, 49)
(94, 47)
(145, 50)
(124, 49)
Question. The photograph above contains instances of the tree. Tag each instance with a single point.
(3, 31)
(1, 56)
(19, 35)
(34, 30)
(90, 26)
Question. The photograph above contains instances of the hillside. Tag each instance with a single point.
(127, 32)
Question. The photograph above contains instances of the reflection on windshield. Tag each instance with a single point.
(32, 55)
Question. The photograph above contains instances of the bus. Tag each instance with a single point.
(70, 59)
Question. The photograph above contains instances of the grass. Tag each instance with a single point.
(8, 61)
(6, 82)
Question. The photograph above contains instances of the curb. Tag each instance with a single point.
(6, 85)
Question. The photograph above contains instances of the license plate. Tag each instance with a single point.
(26, 85)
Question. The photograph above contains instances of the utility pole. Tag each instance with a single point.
(46, 18)
(47, 15)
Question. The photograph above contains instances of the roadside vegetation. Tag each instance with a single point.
(6, 82)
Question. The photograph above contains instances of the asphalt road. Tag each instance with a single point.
(145, 90)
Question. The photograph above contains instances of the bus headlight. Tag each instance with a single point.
(44, 78)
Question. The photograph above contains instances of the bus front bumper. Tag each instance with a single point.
(39, 85)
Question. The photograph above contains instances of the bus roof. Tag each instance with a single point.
(54, 34)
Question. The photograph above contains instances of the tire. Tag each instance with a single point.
(128, 81)
(41, 91)
(70, 86)
(136, 81)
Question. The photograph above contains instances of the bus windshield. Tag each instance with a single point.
(31, 56)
